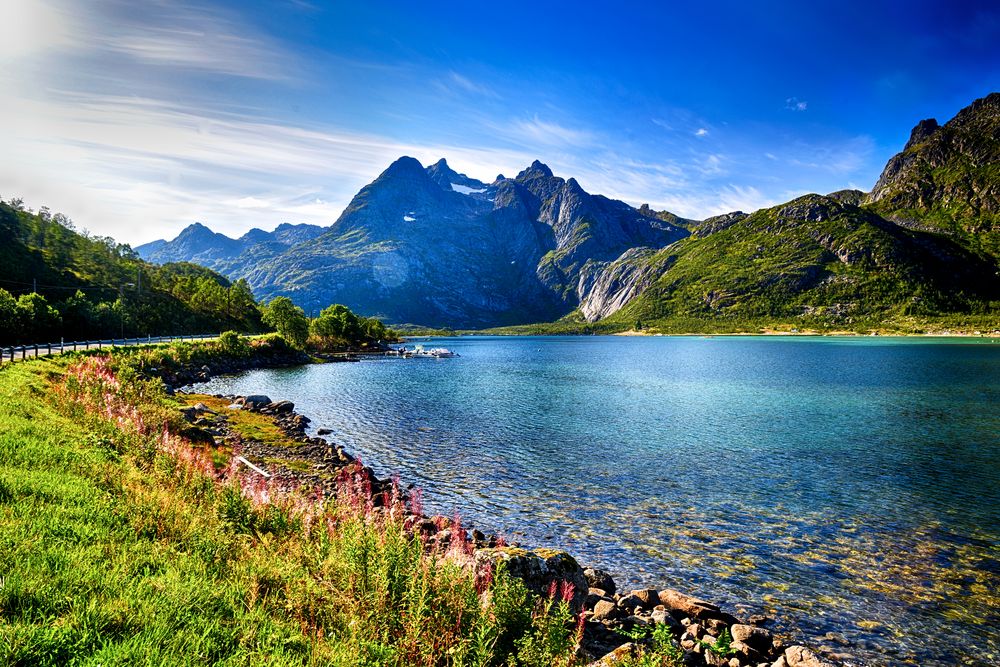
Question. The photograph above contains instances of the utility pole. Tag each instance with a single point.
(34, 285)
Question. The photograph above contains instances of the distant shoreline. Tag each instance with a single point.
(831, 334)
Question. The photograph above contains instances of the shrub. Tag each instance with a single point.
(234, 344)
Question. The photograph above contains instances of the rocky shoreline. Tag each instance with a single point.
(615, 622)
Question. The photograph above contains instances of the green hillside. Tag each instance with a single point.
(56, 282)
(818, 261)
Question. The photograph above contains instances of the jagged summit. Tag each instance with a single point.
(434, 246)
(921, 131)
(946, 177)
(404, 166)
(448, 178)
(537, 169)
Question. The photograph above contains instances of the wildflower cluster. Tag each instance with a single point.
(370, 586)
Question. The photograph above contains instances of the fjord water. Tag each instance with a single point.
(848, 486)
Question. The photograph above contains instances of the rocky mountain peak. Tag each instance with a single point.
(535, 170)
(447, 177)
(574, 187)
(405, 166)
(948, 171)
(923, 130)
(196, 230)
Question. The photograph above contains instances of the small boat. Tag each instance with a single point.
(433, 353)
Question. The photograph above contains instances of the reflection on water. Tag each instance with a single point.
(850, 486)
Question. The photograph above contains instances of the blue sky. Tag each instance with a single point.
(138, 118)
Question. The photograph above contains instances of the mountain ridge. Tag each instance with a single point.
(547, 228)
(429, 245)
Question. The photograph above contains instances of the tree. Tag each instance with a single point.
(287, 319)
(338, 322)
(38, 319)
(10, 324)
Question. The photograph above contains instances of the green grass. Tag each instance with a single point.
(119, 546)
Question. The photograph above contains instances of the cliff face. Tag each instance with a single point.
(947, 177)
(607, 287)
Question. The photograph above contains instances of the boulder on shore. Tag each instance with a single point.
(600, 579)
(682, 605)
(540, 570)
(254, 401)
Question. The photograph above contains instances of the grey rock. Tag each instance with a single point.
(630, 603)
(663, 617)
(800, 656)
(254, 400)
(648, 597)
(281, 407)
(606, 610)
(753, 636)
(600, 579)
(624, 653)
(686, 605)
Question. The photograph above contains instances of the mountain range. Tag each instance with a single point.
(431, 246)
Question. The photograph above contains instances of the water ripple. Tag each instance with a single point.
(851, 487)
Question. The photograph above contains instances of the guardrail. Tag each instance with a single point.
(24, 352)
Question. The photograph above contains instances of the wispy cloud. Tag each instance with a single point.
(28, 28)
(546, 133)
(842, 157)
(795, 104)
(111, 115)
(455, 81)
(711, 165)
(178, 35)
(126, 158)
(715, 201)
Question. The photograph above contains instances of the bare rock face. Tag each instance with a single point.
(717, 223)
(921, 132)
(604, 288)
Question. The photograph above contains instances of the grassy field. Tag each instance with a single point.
(123, 544)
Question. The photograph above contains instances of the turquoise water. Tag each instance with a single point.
(848, 486)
